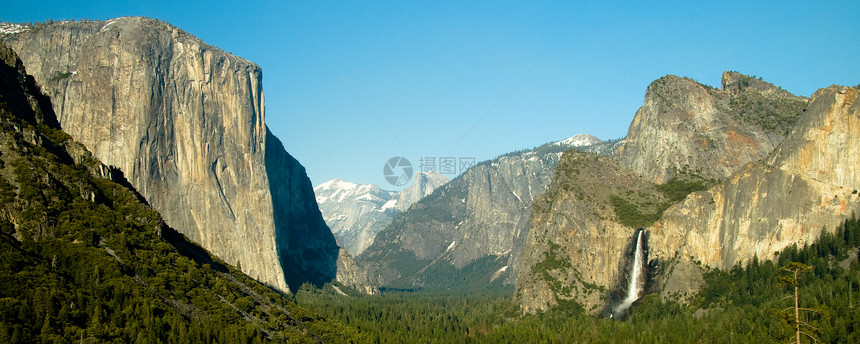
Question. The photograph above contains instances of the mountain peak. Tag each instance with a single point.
(338, 190)
(579, 140)
(335, 183)
(422, 185)
(734, 83)
(430, 176)
(685, 125)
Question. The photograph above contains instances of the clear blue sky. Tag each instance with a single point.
(350, 84)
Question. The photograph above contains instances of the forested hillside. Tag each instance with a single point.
(744, 305)
(84, 259)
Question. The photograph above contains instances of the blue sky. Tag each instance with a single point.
(350, 84)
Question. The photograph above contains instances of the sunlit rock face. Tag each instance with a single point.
(686, 126)
(807, 184)
(577, 249)
(422, 185)
(185, 122)
(782, 168)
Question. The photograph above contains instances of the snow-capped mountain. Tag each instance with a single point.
(355, 213)
(579, 140)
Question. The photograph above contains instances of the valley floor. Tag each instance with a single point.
(743, 305)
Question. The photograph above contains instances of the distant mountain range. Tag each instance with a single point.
(469, 232)
(357, 212)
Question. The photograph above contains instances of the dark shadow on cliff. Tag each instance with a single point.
(28, 102)
(306, 247)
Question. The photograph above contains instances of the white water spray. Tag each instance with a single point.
(637, 280)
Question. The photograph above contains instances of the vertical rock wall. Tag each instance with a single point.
(185, 121)
(807, 184)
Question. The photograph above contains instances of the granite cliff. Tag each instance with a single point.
(808, 184)
(578, 235)
(686, 126)
(685, 139)
(74, 234)
(185, 122)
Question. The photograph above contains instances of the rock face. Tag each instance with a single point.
(21, 99)
(62, 210)
(351, 275)
(423, 184)
(185, 122)
(807, 184)
(768, 192)
(684, 126)
(576, 245)
(469, 231)
(305, 245)
(356, 213)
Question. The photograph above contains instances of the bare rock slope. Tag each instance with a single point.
(810, 182)
(686, 126)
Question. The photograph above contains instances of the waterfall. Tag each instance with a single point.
(637, 278)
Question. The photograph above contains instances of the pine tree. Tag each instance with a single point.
(795, 268)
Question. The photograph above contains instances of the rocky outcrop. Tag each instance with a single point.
(577, 245)
(808, 184)
(185, 121)
(423, 184)
(736, 83)
(684, 126)
(351, 275)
